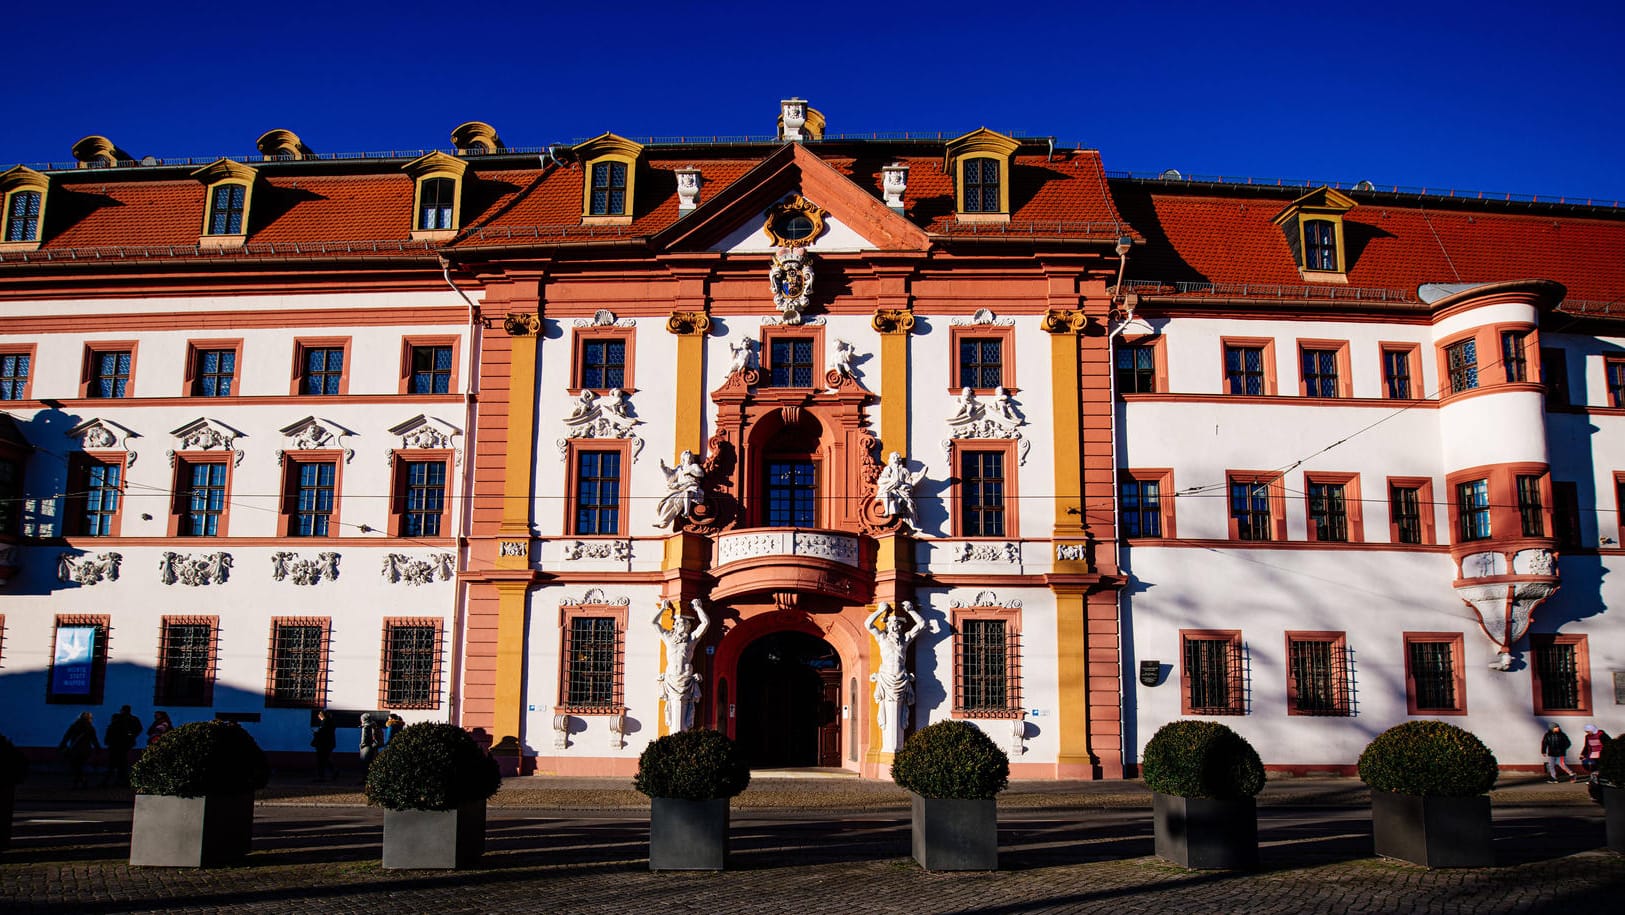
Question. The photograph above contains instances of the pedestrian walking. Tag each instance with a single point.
(122, 731)
(323, 739)
(372, 739)
(78, 742)
(1554, 745)
(1591, 747)
(394, 723)
(161, 725)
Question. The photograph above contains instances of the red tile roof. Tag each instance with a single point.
(1395, 243)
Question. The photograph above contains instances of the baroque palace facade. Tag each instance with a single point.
(810, 439)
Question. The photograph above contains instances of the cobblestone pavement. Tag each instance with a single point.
(70, 856)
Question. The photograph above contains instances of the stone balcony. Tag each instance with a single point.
(834, 563)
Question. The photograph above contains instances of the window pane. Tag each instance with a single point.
(1434, 675)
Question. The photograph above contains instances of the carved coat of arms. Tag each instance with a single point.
(791, 277)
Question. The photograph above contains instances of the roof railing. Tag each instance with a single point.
(1034, 228)
(252, 249)
(1364, 186)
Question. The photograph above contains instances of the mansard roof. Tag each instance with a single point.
(1206, 239)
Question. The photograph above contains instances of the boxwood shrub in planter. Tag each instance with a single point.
(1429, 794)
(194, 801)
(1204, 778)
(1611, 777)
(689, 777)
(433, 780)
(13, 769)
(954, 772)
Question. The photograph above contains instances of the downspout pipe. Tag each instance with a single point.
(1124, 245)
(476, 328)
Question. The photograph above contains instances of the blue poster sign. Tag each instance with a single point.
(75, 656)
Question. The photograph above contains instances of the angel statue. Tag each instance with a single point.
(744, 356)
(683, 492)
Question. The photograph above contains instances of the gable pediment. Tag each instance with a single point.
(854, 218)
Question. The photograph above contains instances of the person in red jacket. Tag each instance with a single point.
(1591, 747)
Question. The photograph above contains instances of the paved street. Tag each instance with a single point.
(1066, 847)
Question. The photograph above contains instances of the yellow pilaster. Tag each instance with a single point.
(894, 325)
(516, 472)
(690, 328)
(1071, 548)
(512, 602)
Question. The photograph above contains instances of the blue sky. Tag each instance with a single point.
(1483, 96)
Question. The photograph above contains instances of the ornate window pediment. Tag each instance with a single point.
(312, 434)
(427, 433)
(204, 434)
(994, 417)
(602, 416)
(98, 434)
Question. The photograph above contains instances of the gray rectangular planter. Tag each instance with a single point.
(1432, 831)
(688, 835)
(424, 839)
(953, 834)
(191, 831)
(1199, 832)
(1613, 805)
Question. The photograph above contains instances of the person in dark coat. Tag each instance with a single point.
(372, 740)
(122, 732)
(78, 742)
(1554, 746)
(323, 739)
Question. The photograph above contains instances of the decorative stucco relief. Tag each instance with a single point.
(984, 599)
(284, 566)
(312, 434)
(84, 570)
(104, 435)
(983, 317)
(194, 571)
(619, 550)
(402, 569)
(834, 547)
(427, 433)
(204, 434)
(1007, 552)
(997, 417)
(595, 597)
(603, 317)
(602, 416)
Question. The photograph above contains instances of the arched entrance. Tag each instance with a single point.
(789, 701)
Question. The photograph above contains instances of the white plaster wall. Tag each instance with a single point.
(1374, 597)
(1195, 352)
(1498, 428)
(1483, 315)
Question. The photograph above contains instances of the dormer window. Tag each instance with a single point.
(439, 196)
(608, 189)
(1313, 226)
(228, 198)
(22, 192)
(1319, 244)
(980, 163)
(435, 204)
(227, 205)
(981, 183)
(610, 173)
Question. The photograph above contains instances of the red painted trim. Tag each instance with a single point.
(78, 485)
(1427, 509)
(193, 379)
(397, 489)
(98, 670)
(21, 349)
(301, 345)
(1345, 374)
(572, 467)
(1267, 344)
(290, 489)
(580, 336)
(1236, 685)
(239, 319)
(1280, 400)
(1454, 639)
(87, 372)
(180, 493)
(384, 665)
(1164, 478)
(1005, 334)
(1209, 544)
(1506, 523)
(159, 697)
(1011, 617)
(1012, 489)
(1159, 358)
(1582, 668)
(277, 622)
(1413, 360)
(1339, 649)
(408, 342)
(568, 613)
(1352, 505)
(277, 400)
